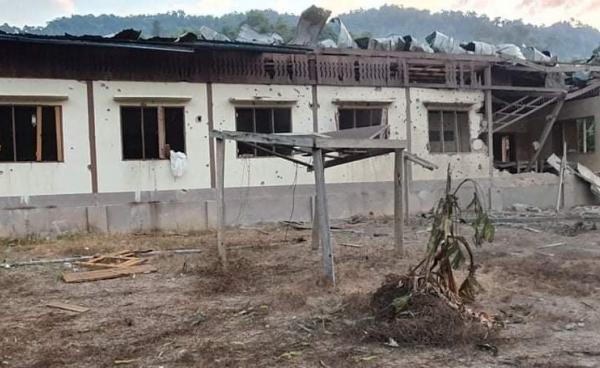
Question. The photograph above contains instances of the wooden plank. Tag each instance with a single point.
(298, 140)
(38, 133)
(398, 210)
(350, 143)
(59, 133)
(112, 273)
(220, 194)
(419, 161)
(68, 307)
(161, 132)
(321, 207)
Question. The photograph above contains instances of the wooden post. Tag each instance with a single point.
(38, 133)
(490, 131)
(406, 188)
(550, 120)
(59, 134)
(323, 217)
(161, 133)
(220, 192)
(315, 226)
(398, 211)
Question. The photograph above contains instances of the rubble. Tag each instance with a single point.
(311, 23)
(211, 35)
(344, 38)
(440, 42)
(248, 34)
(414, 44)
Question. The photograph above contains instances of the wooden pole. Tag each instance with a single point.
(220, 192)
(406, 187)
(490, 131)
(561, 174)
(323, 217)
(550, 120)
(315, 226)
(398, 211)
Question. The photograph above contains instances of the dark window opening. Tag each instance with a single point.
(449, 131)
(30, 133)
(350, 118)
(266, 121)
(150, 132)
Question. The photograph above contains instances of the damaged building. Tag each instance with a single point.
(112, 134)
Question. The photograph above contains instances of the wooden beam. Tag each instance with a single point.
(521, 117)
(315, 239)
(419, 161)
(92, 136)
(550, 120)
(298, 140)
(353, 143)
(490, 133)
(277, 154)
(592, 86)
(220, 194)
(323, 217)
(106, 274)
(352, 158)
(161, 132)
(398, 210)
(59, 133)
(211, 124)
(38, 133)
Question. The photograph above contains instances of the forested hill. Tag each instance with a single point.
(568, 40)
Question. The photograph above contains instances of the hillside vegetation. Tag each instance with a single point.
(568, 40)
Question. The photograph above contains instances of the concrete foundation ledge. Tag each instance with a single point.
(196, 210)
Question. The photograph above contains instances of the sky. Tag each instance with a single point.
(38, 12)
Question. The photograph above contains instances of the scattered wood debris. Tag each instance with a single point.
(351, 245)
(124, 258)
(109, 273)
(68, 307)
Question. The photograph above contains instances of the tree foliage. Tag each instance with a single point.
(568, 40)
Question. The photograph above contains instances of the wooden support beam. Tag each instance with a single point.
(161, 132)
(550, 120)
(277, 154)
(59, 133)
(406, 187)
(490, 131)
(321, 208)
(220, 194)
(398, 210)
(92, 136)
(315, 225)
(38, 133)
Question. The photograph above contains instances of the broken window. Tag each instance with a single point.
(150, 132)
(30, 133)
(350, 118)
(266, 121)
(580, 134)
(449, 131)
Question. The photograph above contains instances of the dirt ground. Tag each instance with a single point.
(269, 310)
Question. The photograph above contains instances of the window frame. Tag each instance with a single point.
(161, 129)
(261, 107)
(355, 107)
(585, 120)
(457, 131)
(58, 121)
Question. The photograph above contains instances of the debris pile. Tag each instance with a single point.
(109, 266)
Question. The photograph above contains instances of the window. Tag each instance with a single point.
(580, 134)
(586, 135)
(30, 133)
(150, 132)
(350, 118)
(262, 120)
(449, 131)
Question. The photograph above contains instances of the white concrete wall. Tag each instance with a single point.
(117, 175)
(261, 171)
(472, 164)
(45, 178)
(581, 109)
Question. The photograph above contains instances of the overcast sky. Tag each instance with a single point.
(38, 12)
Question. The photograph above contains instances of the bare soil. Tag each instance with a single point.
(269, 310)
